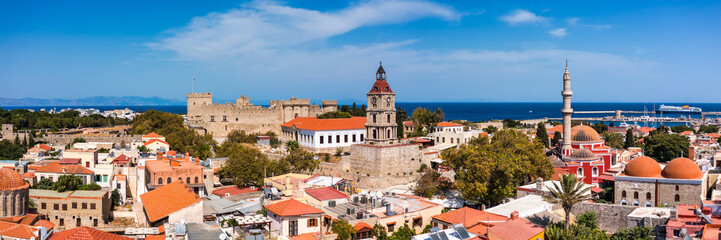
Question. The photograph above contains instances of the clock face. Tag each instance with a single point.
(388, 100)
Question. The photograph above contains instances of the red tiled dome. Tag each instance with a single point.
(642, 167)
(583, 154)
(681, 168)
(583, 133)
(11, 180)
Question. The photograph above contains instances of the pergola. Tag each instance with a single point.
(255, 220)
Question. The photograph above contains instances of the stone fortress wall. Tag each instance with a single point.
(204, 116)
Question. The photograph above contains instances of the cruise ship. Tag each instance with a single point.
(676, 109)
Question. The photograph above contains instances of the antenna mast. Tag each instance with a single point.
(192, 86)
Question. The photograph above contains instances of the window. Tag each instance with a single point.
(78, 223)
(321, 140)
(92, 206)
(676, 232)
(648, 196)
(677, 198)
(330, 139)
(187, 180)
(62, 222)
(374, 134)
(579, 172)
(353, 137)
(594, 171)
(388, 117)
(623, 194)
(337, 138)
(225, 118)
(196, 179)
(169, 180)
(391, 227)
(635, 195)
(443, 139)
(374, 118)
(56, 206)
(65, 207)
(85, 205)
(105, 178)
(389, 134)
(160, 181)
(95, 222)
(345, 138)
(451, 140)
(43, 206)
(75, 205)
(361, 137)
(312, 222)
(676, 187)
(212, 118)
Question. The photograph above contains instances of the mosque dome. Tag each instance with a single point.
(583, 133)
(583, 154)
(11, 180)
(681, 168)
(642, 166)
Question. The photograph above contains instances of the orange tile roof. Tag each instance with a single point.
(316, 124)
(16, 230)
(448, 124)
(645, 129)
(515, 229)
(408, 123)
(121, 159)
(713, 135)
(29, 175)
(155, 237)
(45, 223)
(234, 190)
(168, 199)
(361, 225)
(554, 129)
(292, 207)
(11, 180)
(86, 233)
(686, 133)
(481, 229)
(155, 140)
(121, 177)
(469, 217)
(305, 236)
(56, 167)
(326, 193)
(152, 135)
(42, 147)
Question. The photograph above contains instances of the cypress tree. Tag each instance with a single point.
(542, 134)
(556, 138)
(629, 139)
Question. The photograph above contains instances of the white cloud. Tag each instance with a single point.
(575, 21)
(558, 32)
(264, 26)
(521, 16)
(572, 21)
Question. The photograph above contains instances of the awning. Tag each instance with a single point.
(596, 189)
(604, 177)
(390, 223)
(416, 218)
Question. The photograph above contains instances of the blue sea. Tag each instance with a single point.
(476, 111)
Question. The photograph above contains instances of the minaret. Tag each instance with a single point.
(566, 111)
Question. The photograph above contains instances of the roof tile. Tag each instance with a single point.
(168, 199)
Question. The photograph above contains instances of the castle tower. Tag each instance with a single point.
(566, 111)
(381, 112)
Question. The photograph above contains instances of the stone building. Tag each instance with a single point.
(13, 194)
(165, 170)
(644, 183)
(74, 208)
(381, 112)
(220, 119)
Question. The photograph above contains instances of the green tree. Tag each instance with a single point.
(556, 138)
(179, 137)
(488, 171)
(335, 114)
(45, 183)
(637, 232)
(115, 196)
(403, 233)
(292, 145)
(490, 129)
(67, 183)
(427, 229)
(665, 147)
(246, 165)
(92, 186)
(344, 230)
(542, 134)
(659, 129)
(614, 140)
(143, 148)
(379, 232)
(401, 116)
(681, 128)
(630, 142)
(600, 127)
(300, 161)
(510, 123)
(10, 150)
(570, 192)
(17, 140)
(587, 219)
(427, 183)
(708, 129)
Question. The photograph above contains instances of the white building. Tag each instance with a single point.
(448, 127)
(448, 136)
(291, 218)
(325, 134)
(157, 145)
(88, 158)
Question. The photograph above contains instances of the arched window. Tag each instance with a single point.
(648, 204)
(624, 202)
(169, 180)
(636, 203)
(623, 194)
(296, 115)
(374, 134)
(635, 195)
(160, 181)
(648, 196)
(389, 134)
(187, 180)
(374, 118)
(388, 117)
(594, 171)
(677, 198)
(196, 179)
(676, 187)
(579, 172)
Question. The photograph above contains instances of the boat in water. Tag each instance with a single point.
(677, 109)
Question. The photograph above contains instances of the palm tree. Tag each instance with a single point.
(570, 192)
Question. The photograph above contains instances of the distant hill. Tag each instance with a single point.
(92, 101)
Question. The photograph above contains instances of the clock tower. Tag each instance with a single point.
(381, 111)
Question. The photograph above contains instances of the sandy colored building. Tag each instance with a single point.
(73, 208)
(166, 170)
(644, 182)
(291, 218)
(88, 158)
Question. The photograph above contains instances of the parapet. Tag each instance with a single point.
(327, 103)
(200, 95)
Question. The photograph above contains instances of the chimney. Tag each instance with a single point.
(63, 169)
(287, 182)
(514, 215)
(539, 184)
(692, 153)
(483, 207)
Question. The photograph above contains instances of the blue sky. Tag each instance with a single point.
(648, 51)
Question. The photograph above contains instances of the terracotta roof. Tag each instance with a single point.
(469, 217)
(305, 236)
(45, 223)
(316, 124)
(11, 180)
(554, 129)
(481, 229)
(86, 233)
(121, 159)
(16, 230)
(29, 175)
(642, 166)
(557, 172)
(155, 140)
(685, 133)
(361, 225)
(681, 168)
(713, 135)
(233, 190)
(408, 123)
(583, 133)
(152, 135)
(155, 237)
(381, 86)
(448, 124)
(42, 147)
(645, 129)
(326, 193)
(69, 161)
(56, 167)
(168, 199)
(582, 154)
(292, 207)
(120, 177)
(516, 229)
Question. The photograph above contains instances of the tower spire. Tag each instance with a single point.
(566, 111)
